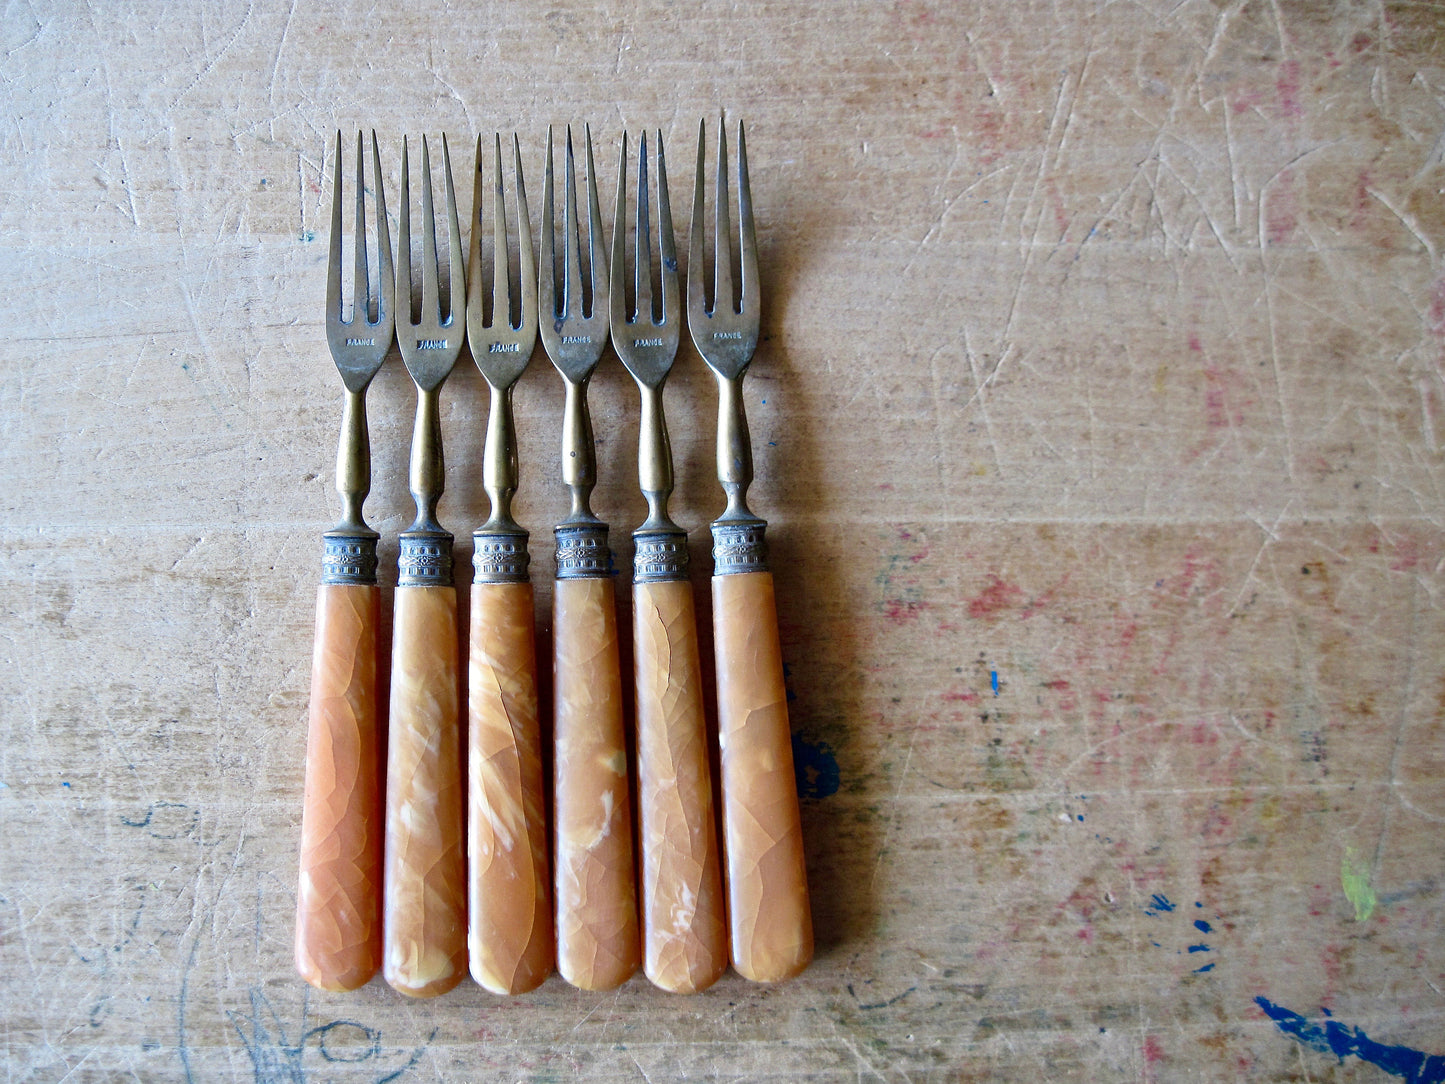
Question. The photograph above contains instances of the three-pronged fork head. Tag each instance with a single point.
(359, 344)
(726, 334)
(502, 336)
(645, 336)
(572, 314)
(430, 342)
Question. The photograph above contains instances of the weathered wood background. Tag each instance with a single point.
(1098, 419)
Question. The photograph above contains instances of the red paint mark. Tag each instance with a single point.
(1058, 684)
(1281, 217)
(901, 611)
(1086, 935)
(966, 697)
(1362, 199)
(1288, 88)
(996, 597)
(1153, 1052)
(1361, 42)
(1194, 344)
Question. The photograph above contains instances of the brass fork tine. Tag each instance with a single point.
(509, 919)
(338, 908)
(771, 927)
(425, 870)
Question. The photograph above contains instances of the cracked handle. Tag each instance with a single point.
(509, 903)
(338, 904)
(771, 926)
(684, 931)
(425, 899)
(596, 906)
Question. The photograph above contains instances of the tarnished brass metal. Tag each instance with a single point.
(572, 314)
(359, 344)
(645, 335)
(430, 342)
(726, 335)
(502, 332)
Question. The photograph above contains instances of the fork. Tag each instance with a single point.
(595, 898)
(771, 928)
(425, 886)
(684, 936)
(509, 928)
(338, 904)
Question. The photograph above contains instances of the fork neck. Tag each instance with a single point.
(426, 548)
(659, 545)
(350, 546)
(738, 535)
(579, 457)
(499, 546)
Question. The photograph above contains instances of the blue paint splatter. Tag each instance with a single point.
(1201, 970)
(993, 680)
(1335, 1038)
(1158, 904)
(816, 768)
(1198, 948)
(1201, 925)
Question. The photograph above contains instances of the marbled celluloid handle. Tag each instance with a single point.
(338, 905)
(425, 897)
(508, 899)
(684, 932)
(596, 904)
(771, 926)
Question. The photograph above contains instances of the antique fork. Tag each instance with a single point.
(425, 894)
(684, 935)
(595, 902)
(338, 904)
(509, 928)
(771, 928)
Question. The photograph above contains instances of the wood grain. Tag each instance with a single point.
(1097, 416)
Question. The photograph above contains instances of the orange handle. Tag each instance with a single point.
(684, 931)
(338, 905)
(596, 903)
(425, 900)
(509, 929)
(771, 926)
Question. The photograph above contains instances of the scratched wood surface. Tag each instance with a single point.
(1098, 418)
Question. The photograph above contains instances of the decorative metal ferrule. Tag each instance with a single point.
(500, 556)
(658, 556)
(582, 552)
(425, 559)
(738, 547)
(349, 559)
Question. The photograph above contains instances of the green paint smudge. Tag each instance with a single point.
(1355, 877)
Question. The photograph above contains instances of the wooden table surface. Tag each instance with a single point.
(1098, 417)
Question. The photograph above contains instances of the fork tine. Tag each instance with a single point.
(547, 281)
(474, 251)
(526, 264)
(619, 312)
(333, 258)
(642, 273)
(456, 273)
(430, 291)
(386, 294)
(403, 239)
(722, 232)
(501, 276)
(697, 310)
(571, 242)
(667, 244)
(596, 265)
(360, 283)
(747, 238)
